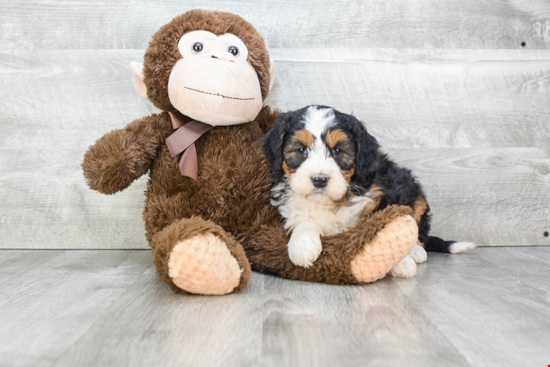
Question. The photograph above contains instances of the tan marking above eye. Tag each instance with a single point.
(304, 137)
(335, 137)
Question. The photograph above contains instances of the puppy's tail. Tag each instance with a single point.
(436, 244)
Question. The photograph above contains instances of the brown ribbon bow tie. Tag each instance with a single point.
(183, 140)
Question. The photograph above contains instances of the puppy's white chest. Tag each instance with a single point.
(328, 220)
(330, 217)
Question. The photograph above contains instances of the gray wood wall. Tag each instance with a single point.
(457, 90)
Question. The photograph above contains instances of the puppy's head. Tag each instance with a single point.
(316, 149)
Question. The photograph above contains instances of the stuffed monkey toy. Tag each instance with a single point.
(208, 216)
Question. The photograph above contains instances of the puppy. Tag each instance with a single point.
(328, 171)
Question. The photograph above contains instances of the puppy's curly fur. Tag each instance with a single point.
(373, 173)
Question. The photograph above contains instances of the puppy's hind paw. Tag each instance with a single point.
(406, 268)
(418, 254)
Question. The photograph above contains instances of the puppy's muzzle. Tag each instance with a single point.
(319, 181)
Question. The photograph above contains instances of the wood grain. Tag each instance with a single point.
(52, 108)
(50, 298)
(494, 197)
(352, 326)
(479, 24)
(425, 98)
(480, 306)
(473, 125)
(165, 328)
(528, 264)
(486, 307)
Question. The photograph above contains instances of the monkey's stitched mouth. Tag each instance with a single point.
(220, 95)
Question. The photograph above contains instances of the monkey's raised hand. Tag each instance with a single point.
(122, 156)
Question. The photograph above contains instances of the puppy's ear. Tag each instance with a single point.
(368, 156)
(272, 145)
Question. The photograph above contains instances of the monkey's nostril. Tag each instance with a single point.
(319, 181)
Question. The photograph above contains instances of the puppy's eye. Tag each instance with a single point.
(302, 151)
(233, 50)
(197, 47)
(337, 151)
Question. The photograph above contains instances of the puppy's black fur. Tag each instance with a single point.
(373, 168)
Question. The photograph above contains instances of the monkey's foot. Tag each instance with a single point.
(196, 256)
(203, 265)
(389, 246)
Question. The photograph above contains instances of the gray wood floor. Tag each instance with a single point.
(489, 307)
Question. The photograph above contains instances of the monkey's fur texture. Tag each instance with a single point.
(224, 220)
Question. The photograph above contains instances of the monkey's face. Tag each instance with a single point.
(213, 82)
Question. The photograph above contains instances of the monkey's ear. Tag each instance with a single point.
(271, 73)
(137, 78)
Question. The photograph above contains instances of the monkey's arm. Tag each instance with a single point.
(266, 118)
(361, 254)
(122, 156)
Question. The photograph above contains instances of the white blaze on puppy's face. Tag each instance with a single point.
(319, 164)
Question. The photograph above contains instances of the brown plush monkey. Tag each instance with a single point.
(207, 214)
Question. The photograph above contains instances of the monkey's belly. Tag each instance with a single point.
(230, 192)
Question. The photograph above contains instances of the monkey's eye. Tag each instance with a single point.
(197, 47)
(337, 151)
(233, 50)
(302, 151)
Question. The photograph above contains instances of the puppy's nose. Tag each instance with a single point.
(319, 181)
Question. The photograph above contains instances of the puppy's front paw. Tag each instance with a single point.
(304, 248)
(406, 268)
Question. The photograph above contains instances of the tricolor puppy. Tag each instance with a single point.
(327, 172)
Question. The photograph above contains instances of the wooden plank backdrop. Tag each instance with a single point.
(481, 24)
(445, 86)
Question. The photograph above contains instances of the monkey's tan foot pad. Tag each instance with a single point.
(203, 265)
(395, 241)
